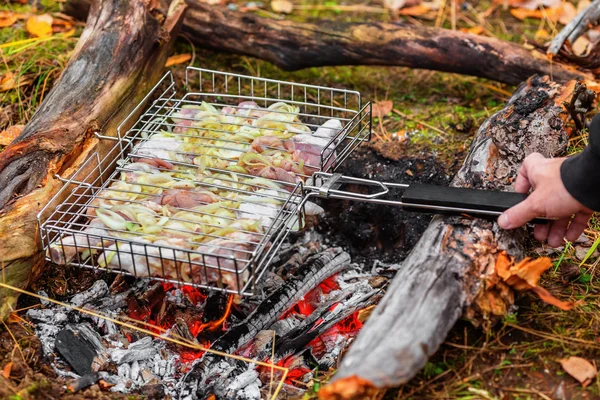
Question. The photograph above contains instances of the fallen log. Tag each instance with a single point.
(445, 275)
(292, 45)
(119, 57)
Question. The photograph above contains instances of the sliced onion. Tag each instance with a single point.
(111, 219)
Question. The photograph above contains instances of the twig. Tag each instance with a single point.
(529, 391)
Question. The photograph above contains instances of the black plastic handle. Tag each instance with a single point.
(477, 201)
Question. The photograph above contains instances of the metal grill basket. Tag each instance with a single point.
(177, 196)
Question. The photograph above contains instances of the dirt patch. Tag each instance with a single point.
(377, 232)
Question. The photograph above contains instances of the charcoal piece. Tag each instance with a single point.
(216, 305)
(84, 382)
(79, 345)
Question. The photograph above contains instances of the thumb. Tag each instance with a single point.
(519, 214)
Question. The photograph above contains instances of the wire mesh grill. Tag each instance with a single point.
(203, 188)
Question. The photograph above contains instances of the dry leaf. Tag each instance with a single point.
(394, 5)
(40, 25)
(8, 20)
(10, 81)
(476, 30)
(282, 6)
(530, 4)
(8, 135)
(382, 108)
(580, 369)
(525, 275)
(567, 13)
(178, 59)
(6, 370)
(551, 13)
(582, 5)
(547, 298)
(60, 25)
(581, 47)
(415, 11)
(351, 387)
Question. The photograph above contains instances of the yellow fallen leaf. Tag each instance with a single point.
(8, 135)
(68, 33)
(382, 108)
(282, 6)
(415, 11)
(579, 368)
(178, 59)
(476, 30)
(7, 21)
(40, 25)
(551, 13)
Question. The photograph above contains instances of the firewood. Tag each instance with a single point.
(292, 45)
(112, 68)
(444, 276)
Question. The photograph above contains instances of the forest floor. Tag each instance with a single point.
(433, 114)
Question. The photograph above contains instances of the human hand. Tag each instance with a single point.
(549, 199)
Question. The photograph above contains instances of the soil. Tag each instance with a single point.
(371, 232)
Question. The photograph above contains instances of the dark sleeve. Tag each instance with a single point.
(581, 173)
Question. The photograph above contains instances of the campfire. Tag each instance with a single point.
(302, 326)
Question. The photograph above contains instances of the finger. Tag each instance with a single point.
(520, 214)
(558, 231)
(540, 231)
(523, 182)
(578, 224)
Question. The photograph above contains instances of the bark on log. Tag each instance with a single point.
(292, 45)
(444, 276)
(119, 57)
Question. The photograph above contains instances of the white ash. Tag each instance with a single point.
(48, 316)
(141, 350)
(98, 290)
(245, 386)
(47, 335)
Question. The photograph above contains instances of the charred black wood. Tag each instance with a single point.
(80, 345)
(322, 319)
(215, 307)
(316, 269)
(308, 276)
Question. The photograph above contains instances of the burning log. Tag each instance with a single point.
(292, 45)
(308, 276)
(112, 68)
(315, 270)
(444, 277)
